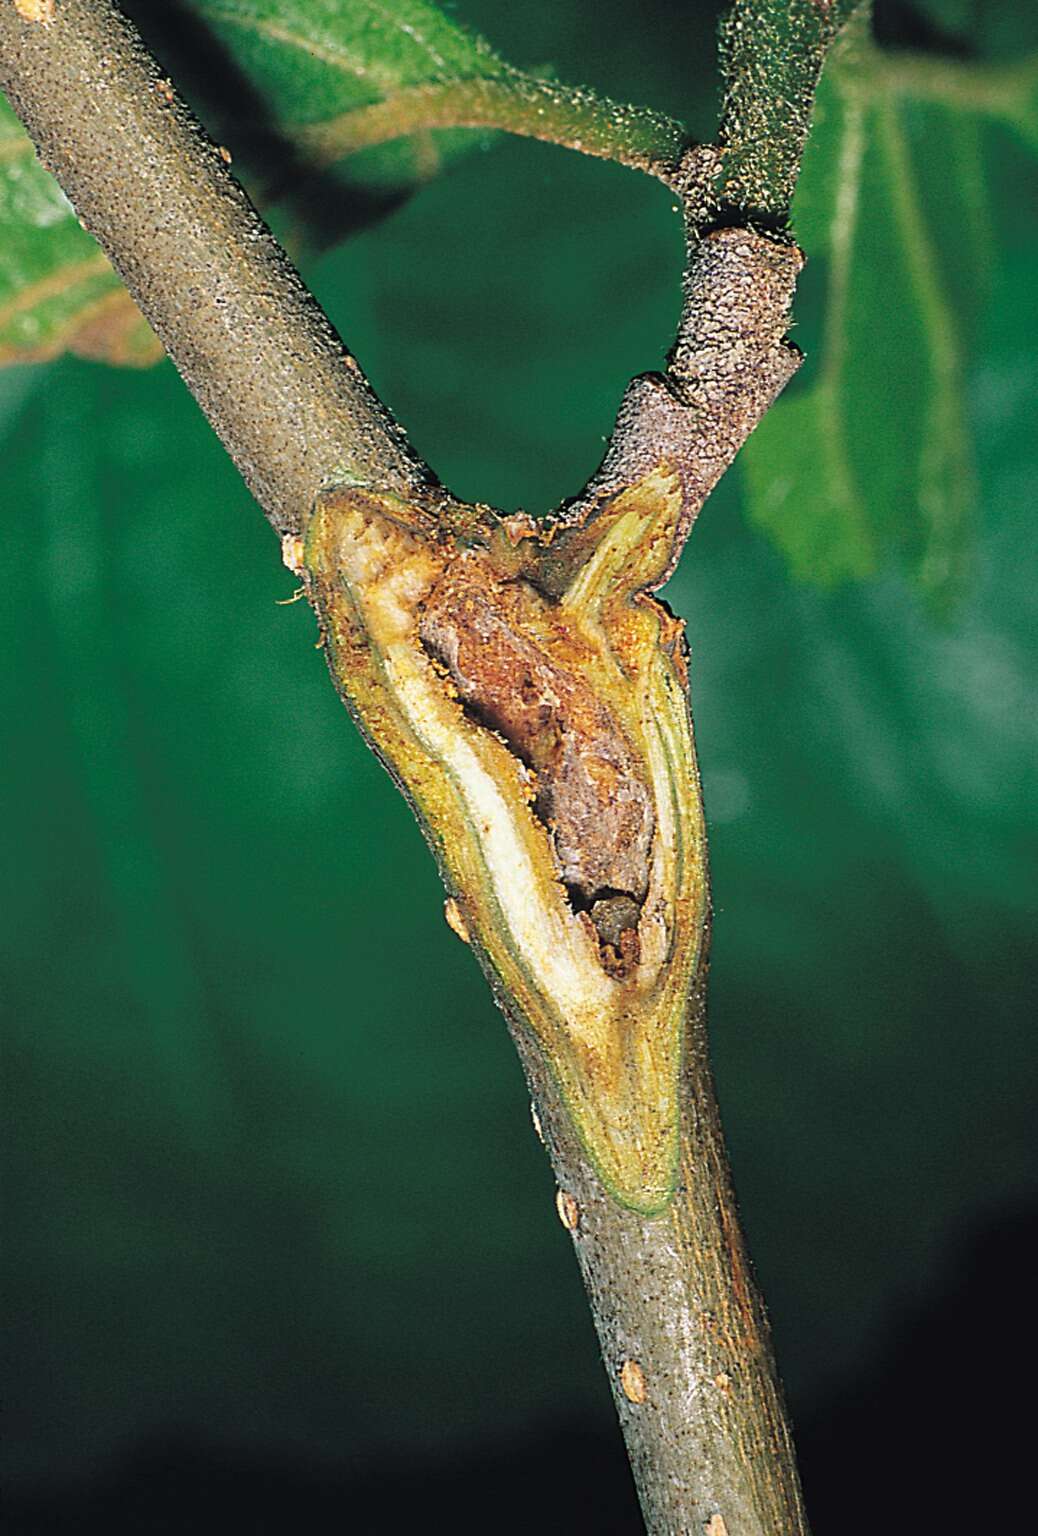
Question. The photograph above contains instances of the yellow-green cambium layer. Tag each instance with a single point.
(573, 600)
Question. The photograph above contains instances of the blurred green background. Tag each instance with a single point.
(279, 1241)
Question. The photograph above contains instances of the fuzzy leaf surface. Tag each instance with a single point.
(872, 463)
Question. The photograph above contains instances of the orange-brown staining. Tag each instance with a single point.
(41, 11)
(224, 153)
(496, 640)
(633, 1383)
(455, 921)
(723, 1383)
(164, 88)
(716, 1526)
(568, 1210)
(671, 634)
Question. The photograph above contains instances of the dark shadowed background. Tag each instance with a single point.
(280, 1247)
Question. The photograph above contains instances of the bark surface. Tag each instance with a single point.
(681, 1324)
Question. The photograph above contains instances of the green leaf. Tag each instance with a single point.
(872, 462)
(386, 91)
(314, 58)
(307, 61)
(402, 90)
(311, 61)
(57, 291)
(988, 29)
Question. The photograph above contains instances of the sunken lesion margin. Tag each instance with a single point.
(596, 968)
(463, 642)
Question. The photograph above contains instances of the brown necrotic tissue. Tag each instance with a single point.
(496, 641)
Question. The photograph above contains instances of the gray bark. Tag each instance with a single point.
(681, 1324)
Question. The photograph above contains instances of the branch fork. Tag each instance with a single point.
(528, 693)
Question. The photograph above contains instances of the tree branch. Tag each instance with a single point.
(527, 693)
(772, 52)
(681, 1325)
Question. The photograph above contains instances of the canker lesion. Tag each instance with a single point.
(529, 696)
(494, 640)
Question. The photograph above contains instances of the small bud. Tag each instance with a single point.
(455, 921)
(568, 1209)
(632, 1379)
(292, 553)
(35, 10)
